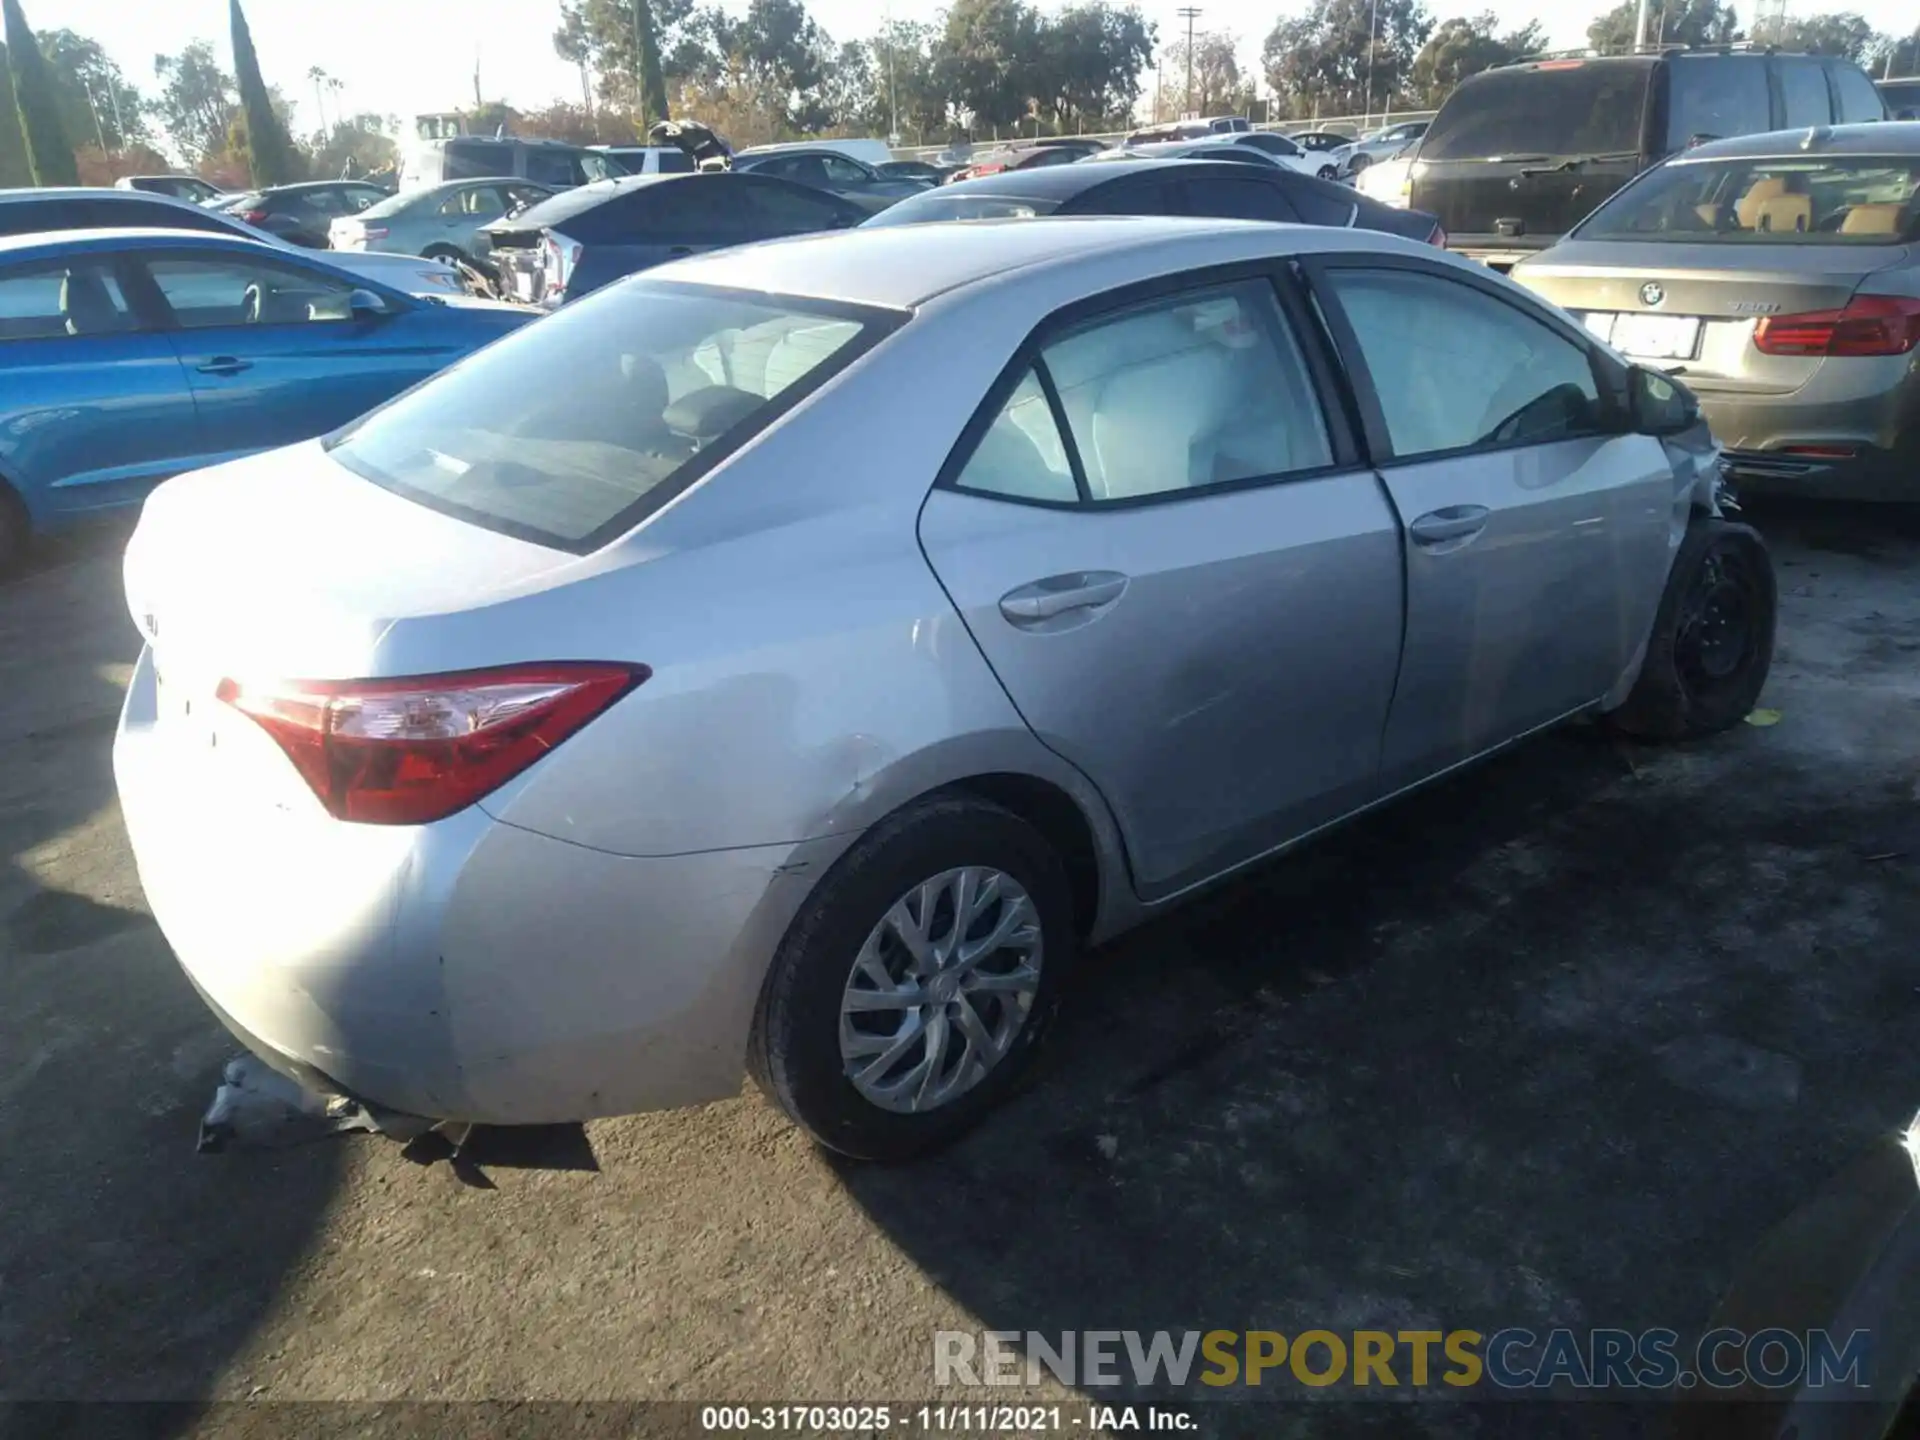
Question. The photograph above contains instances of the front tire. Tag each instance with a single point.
(1712, 642)
(447, 254)
(1328, 172)
(913, 991)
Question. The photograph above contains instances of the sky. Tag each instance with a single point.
(406, 57)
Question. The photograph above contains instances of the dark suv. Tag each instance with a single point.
(1521, 154)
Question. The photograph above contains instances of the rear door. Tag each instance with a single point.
(1166, 547)
(1537, 534)
(273, 353)
(94, 404)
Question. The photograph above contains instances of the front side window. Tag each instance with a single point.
(596, 167)
(945, 204)
(1713, 96)
(673, 162)
(1454, 368)
(661, 381)
(842, 171)
(1174, 395)
(204, 293)
(481, 202)
(551, 167)
(1228, 197)
(56, 299)
(1803, 200)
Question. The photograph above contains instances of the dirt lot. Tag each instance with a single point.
(1554, 1044)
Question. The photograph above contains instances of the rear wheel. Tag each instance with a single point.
(913, 991)
(1712, 641)
(1359, 163)
(13, 531)
(446, 253)
(1328, 172)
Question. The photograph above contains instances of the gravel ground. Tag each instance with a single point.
(1553, 1043)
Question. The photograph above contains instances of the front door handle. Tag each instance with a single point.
(1455, 522)
(225, 365)
(1061, 594)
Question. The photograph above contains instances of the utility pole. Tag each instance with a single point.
(1640, 27)
(120, 126)
(1373, 38)
(477, 101)
(893, 97)
(99, 134)
(1189, 13)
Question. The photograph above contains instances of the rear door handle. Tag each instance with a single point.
(225, 365)
(1455, 522)
(1061, 594)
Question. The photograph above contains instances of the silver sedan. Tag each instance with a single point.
(791, 660)
(442, 222)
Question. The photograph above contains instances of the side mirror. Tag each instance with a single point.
(365, 305)
(1658, 404)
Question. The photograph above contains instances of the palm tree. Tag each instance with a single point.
(319, 78)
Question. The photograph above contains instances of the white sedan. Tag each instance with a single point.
(789, 660)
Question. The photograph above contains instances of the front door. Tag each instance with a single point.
(275, 354)
(1537, 534)
(1183, 588)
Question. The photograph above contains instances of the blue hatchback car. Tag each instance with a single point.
(127, 356)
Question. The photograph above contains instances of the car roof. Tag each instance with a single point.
(302, 187)
(91, 192)
(14, 247)
(1061, 183)
(1872, 137)
(899, 267)
(563, 204)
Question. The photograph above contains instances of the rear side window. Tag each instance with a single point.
(1178, 394)
(1563, 108)
(1713, 96)
(59, 298)
(673, 162)
(1456, 369)
(1271, 143)
(476, 159)
(1858, 100)
(1322, 203)
(783, 209)
(663, 381)
(1231, 198)
(1803, 89)
(553, 167)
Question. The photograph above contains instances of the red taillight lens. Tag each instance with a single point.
(1438, 237)
(1869, 325)
(412, 751)
(374, 232)
(255, 217)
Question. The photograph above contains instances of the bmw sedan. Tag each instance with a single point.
(870, 624)
(1780, 276)
(130, 355)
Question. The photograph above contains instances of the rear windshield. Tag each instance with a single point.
(1553, 110)
(1807, 200)
(656, 383)
(958, 205)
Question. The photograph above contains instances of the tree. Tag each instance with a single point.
(269, 151)
(1463, 46)
(1900, 56)
(904, 77)
(196, 101)
(1840, 33)
(1671, 22)
(640, 48)
(13, 149)
(1320, 60)
(1089, 62)
(355, 146)
(49, 152)
(96, 102)
(982, 60)
(1218, 86)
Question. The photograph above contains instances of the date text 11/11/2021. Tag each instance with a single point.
(944, 1419)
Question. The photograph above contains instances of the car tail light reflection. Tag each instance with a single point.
(1869, 325)
(412, 751)
(559, 256)
(373, 232)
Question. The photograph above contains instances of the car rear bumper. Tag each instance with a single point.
(467, 970)
(1857, 436)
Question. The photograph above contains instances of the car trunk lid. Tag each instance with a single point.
(1692, 308)
(1515, 205)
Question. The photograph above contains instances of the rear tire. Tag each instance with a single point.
(14, 531)
(1328, 172)
(1712, 642)
(823, 1029)
(1358, 164)
(446, 253)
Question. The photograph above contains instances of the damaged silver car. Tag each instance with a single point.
(868, 626)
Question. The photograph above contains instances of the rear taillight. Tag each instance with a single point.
(255, 217)
(1438, 237)
(560, 256)
(1869, 325)
(373, 232)
(412, 751)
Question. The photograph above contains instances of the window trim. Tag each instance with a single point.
(1079, 314)
(153, 296)
(1608, 377)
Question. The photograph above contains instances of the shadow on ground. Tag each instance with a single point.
(128, 1267)
(1553, 1043)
